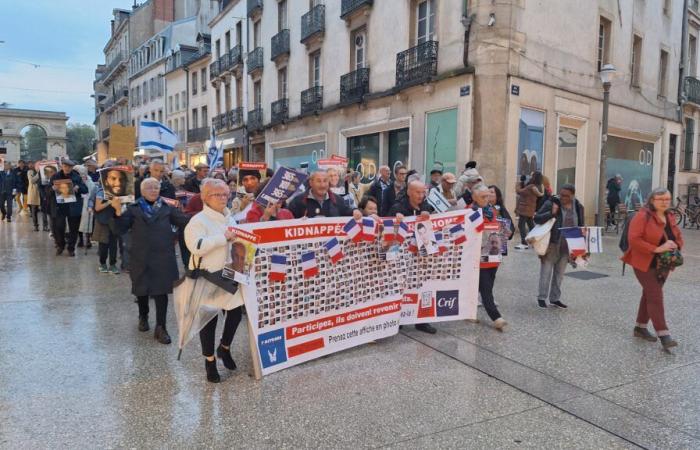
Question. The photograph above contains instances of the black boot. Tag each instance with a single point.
(212, 373)
(161, 335)
(143, 323)
(225, 356)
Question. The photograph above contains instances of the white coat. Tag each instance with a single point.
(204, 237)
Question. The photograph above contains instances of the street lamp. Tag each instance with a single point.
(607, 73)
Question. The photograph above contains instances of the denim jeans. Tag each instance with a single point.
(552, 268)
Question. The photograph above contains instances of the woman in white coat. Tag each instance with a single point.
(86, 218)
(207, 238)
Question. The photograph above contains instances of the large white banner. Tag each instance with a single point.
(321, 285)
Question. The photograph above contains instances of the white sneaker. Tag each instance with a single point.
(499, 324)
(521, 247)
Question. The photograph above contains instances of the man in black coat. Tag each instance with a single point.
(395, 191)
(192, 184)
(377, 188)
(9, 187)
(414, 204)
(23, 180)
(156, 170)
(319, 201)
(67, 212)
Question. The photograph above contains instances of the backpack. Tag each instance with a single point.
(624, 242)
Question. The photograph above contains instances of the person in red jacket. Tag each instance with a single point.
(652, 231)
(274, 211)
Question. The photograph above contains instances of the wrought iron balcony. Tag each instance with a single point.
(348, 7)
(255, 60)
(254, 7)
(313, 23)
(280, 45)
(224, 63)
(235, 56)
(255, 119)
(219, 122)
(214, 70)
(691, 89)
(279, 111)
(235, 118)
(353, 86)
(198, 134)
(312, 100)
(417, 64)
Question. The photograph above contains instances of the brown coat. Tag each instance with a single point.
(527, 200)
(645, 233)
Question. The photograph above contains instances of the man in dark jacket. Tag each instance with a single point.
(192, 184)
(414, 204)
(614, 187)
(396, 190)
(23, 184)
(319, 201)
(568, 212)
(69, 212)
(156, 170)
(377, 188)
(9, 187)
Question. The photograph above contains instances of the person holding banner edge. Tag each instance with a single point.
(319, 201)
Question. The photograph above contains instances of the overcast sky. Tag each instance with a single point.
(65, 39)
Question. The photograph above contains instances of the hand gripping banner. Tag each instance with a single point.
(315, 291)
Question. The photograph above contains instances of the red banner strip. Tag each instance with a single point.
(305, 347)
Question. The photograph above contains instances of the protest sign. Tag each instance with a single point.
(239, 260)
(64, 191)
(46, 169)
(336, 174)
(281, 186)
(122, 141)
(314, 291)
(261, 166)
(118, 181)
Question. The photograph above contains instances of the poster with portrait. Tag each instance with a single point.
(425, 238)
(335, 168)
(64, 191)
(494, 241)
(239, 260)
(530, 141)
(118, 181)
(46, 168)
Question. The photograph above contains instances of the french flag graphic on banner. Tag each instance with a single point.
(334, 250)
(278, 268)
(353, 230)
(403, 232)
(442, 247)
(368, 229)
(308, 264)
(459, 236)
(412, 246)
(389, 235)
(575, 241)
(477, 221)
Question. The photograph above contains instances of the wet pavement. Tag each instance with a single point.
(76, 373)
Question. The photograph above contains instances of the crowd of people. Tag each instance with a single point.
(192, 210)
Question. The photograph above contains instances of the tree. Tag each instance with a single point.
(80, 140)
(33, 144)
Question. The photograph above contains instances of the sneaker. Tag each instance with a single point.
(542, 304)
(103, 268)
(644, 334)
(667, 342)
(113, 270)
(426, 328)
(558, 305)
(521, 247)
(500, 323)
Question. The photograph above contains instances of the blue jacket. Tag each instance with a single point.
(8, 182)
(74, 209)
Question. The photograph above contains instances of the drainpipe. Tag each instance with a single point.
(187, 107)
(684, 59)
(466, 20)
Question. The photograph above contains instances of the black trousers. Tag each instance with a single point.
(35, 215)
(184, 251)
(525, 224)
(487, 278)
(207, 335)
(60, 236)
(161, 307)
(108, 249)
(6, 204)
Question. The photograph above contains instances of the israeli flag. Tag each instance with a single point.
(215, 156)
(156, 136)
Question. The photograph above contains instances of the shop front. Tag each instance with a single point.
(634, 160)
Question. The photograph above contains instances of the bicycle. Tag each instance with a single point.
(687, 215)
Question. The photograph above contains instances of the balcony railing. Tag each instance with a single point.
(254, 7)
(312, 100)
(348, 7)
(235, 118)
(280, 45)
(691, 89)
(417, 64)
(313, 23)
(235, 56)
(279, 111)
(694, 5)
(353, 86)
(214, 70)
(198, 134)
(224, 63)
(118, 59)
(255, 119)
(255, 60)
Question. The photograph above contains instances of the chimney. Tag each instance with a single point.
(164, 10)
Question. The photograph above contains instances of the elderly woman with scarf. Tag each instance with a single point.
(153, 263)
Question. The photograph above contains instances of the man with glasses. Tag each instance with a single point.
(377, 189)
(395, 191)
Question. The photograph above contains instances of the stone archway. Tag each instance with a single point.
(13, 121)
(33, 143)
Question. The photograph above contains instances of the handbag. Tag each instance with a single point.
(538, 237)
(214, 278)
(668, 261)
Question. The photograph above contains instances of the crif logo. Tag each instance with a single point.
(447, 303)
(272, 349)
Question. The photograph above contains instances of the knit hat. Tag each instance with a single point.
(242, 173)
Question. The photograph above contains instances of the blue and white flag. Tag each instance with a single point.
(156, 136)
(594, 239)
(215, 156)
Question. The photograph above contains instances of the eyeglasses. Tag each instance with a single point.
(218, 195)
